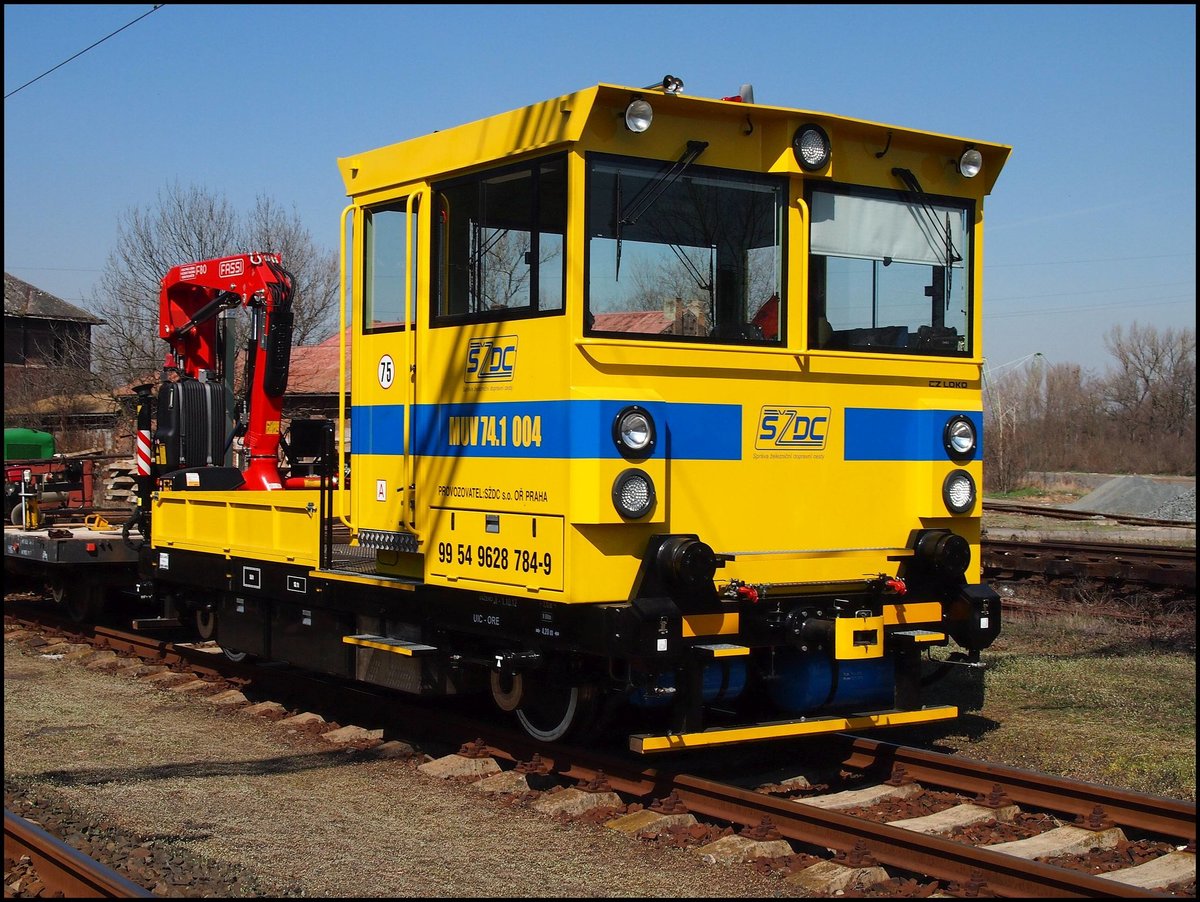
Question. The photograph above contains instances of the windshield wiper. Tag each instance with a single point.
(952, 255)
(914, 187)
(646, 198)
(652, 192)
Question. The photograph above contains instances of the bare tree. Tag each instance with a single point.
(504, 273)
(1069, 419)
(1154, 384)
(1138, 417)
(315, 269)
(1011, 402)
(185, 225)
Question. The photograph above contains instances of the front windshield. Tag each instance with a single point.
(889, 273)
(680, 251)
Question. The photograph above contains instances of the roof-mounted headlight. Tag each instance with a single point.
(638, 115)
(970, 163)
(633, 431)
(810, 144)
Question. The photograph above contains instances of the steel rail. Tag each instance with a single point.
(896, 847)
(1152, 564)
(1175, 818)
(1059, 513)
(64, 869)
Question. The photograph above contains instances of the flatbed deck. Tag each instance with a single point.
(70, 544)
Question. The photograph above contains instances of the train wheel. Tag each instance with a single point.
(206, 623)
(551, 710)
(83, 601)
(507, 690)
(237, 657)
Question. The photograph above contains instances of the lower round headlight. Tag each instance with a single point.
(958, 492)
(633, 494)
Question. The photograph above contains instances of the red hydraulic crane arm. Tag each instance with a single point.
(192, 296)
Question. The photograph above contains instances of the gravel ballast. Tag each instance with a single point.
(198, 801)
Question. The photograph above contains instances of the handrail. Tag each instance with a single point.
(408, 499)
(341, 473)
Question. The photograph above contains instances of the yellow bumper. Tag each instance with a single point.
(670, 742)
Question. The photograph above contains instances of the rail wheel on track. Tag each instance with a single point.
(83, 600)
(237, 657)
(205, 621)
(551, 710)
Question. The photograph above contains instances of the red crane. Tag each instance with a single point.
(192, 296)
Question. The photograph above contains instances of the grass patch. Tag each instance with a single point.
(1082, 696)
(1023, 493)
(1059, 491)
(1104, 692)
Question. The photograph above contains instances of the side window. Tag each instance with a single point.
(388, 254)
(498, 242)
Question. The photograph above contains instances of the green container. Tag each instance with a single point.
(28, 444)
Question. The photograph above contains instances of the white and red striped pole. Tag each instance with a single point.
(143, 452)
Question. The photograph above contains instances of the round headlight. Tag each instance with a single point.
(970, 163)
(810, 144)
(959, 437)
(633, 431)
(633, 494)
(638, 116)
(958, 491)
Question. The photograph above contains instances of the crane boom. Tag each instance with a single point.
(192, 296)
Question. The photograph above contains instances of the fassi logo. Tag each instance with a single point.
(229, 268)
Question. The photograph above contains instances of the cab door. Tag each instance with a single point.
(383, 388)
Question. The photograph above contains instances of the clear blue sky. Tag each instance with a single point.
(1092, 223)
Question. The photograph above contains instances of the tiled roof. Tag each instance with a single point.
(23, 299)
(314, 368)
(646, 322)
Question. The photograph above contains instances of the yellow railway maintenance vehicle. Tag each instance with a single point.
(658, 403)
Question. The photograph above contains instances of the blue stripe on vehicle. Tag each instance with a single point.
(573, 430)
(886, 434)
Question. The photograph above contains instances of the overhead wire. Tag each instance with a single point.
(155, 8)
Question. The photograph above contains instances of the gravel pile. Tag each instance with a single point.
(1141, 497)
(1181, 507)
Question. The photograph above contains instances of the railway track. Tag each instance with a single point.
(1151, 565)
(60, 869)
(1059, 513)
(856, 839)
